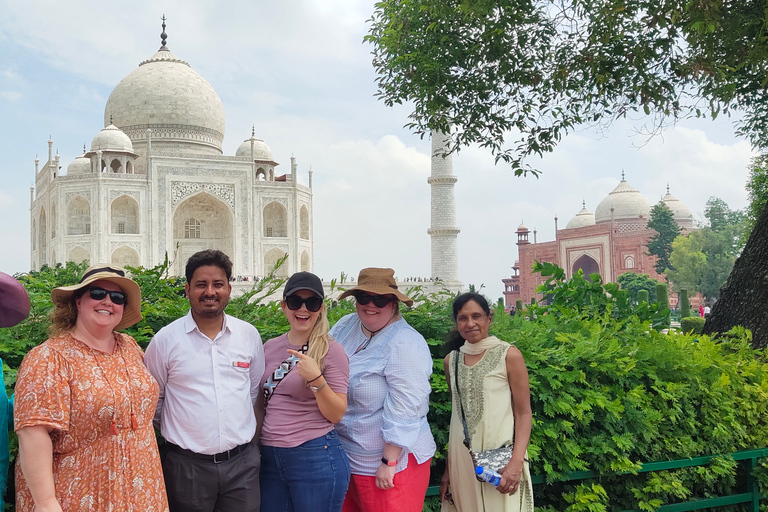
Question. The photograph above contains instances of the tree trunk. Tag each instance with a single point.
(744, 296)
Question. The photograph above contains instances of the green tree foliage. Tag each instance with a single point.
(535, 70)
(720, 215)
(643, 296)
(688, 261)
(757, 189)
(663, 222)
(588, 296)
(633, 283)
(703, 259)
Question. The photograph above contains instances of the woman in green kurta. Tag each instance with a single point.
(493, 383)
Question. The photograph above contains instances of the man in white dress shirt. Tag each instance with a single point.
(208, 365)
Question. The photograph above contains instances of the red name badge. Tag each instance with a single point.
(241, 364)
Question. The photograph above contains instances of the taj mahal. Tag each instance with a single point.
(155, 181)
(155, 184)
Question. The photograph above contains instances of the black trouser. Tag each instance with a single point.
(197, 485)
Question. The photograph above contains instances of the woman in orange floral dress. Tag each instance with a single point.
(84, 406)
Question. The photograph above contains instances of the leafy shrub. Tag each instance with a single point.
(607, 390)
(634, 283)
(692, 324)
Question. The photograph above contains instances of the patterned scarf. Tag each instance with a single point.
(280, 373)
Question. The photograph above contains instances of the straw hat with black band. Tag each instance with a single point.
(380, 281)
(113, 274)
(14, 301)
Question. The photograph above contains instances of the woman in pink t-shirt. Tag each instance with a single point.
(303, 465)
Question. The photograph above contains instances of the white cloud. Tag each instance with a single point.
(11, 95)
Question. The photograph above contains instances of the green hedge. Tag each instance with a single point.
(608, 391)
(692, 324)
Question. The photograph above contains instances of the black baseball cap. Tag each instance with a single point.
(304, 281)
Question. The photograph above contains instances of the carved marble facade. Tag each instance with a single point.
(156, 181)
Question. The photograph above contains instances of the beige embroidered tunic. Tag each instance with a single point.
(65, 385)
(487, 402)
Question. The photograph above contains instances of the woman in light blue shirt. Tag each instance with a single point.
(385, 431)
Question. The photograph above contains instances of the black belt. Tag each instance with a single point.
(216, 458)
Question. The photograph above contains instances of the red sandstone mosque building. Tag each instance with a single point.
(609, 242)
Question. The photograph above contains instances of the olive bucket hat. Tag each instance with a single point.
(380, 281)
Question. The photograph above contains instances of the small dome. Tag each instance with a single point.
(111, 138)
(627, 204)
(260, 149)
(522, 227)
(79, 165)
(583, 218)
(681, 213)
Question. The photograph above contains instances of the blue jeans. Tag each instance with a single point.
(312, 477)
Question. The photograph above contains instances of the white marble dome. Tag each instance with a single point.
(166, 95)
(522, 227)
(112, 138)
(627, 204)
(79, 165)
(681, 213)
(260, 149)
(583, 218)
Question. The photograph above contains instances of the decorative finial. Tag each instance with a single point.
(163, 35)
(622, 175)
(583, 203)
(110, 118)
(667, 187)
(84, 151)
(253, 130)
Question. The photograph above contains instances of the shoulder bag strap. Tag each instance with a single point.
(456, 355)
(280, 373)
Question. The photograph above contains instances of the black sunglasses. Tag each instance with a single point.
(97, 293)
(378, 300)
(313, 304)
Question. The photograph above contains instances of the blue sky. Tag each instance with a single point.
(300, 73)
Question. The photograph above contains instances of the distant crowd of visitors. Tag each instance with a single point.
(316, 419)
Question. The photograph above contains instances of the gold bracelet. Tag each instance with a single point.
(318, 388)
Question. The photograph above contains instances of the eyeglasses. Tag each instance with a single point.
(378, 300)
(97, 293)
(294, 303)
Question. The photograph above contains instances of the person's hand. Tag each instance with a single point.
(307, 367)
(510, 477)
(385, 477)
(445, 483)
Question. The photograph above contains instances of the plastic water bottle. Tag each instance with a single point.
(488, 475)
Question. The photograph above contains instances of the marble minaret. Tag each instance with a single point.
(443, 230)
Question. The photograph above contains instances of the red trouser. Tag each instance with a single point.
(406, 496)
